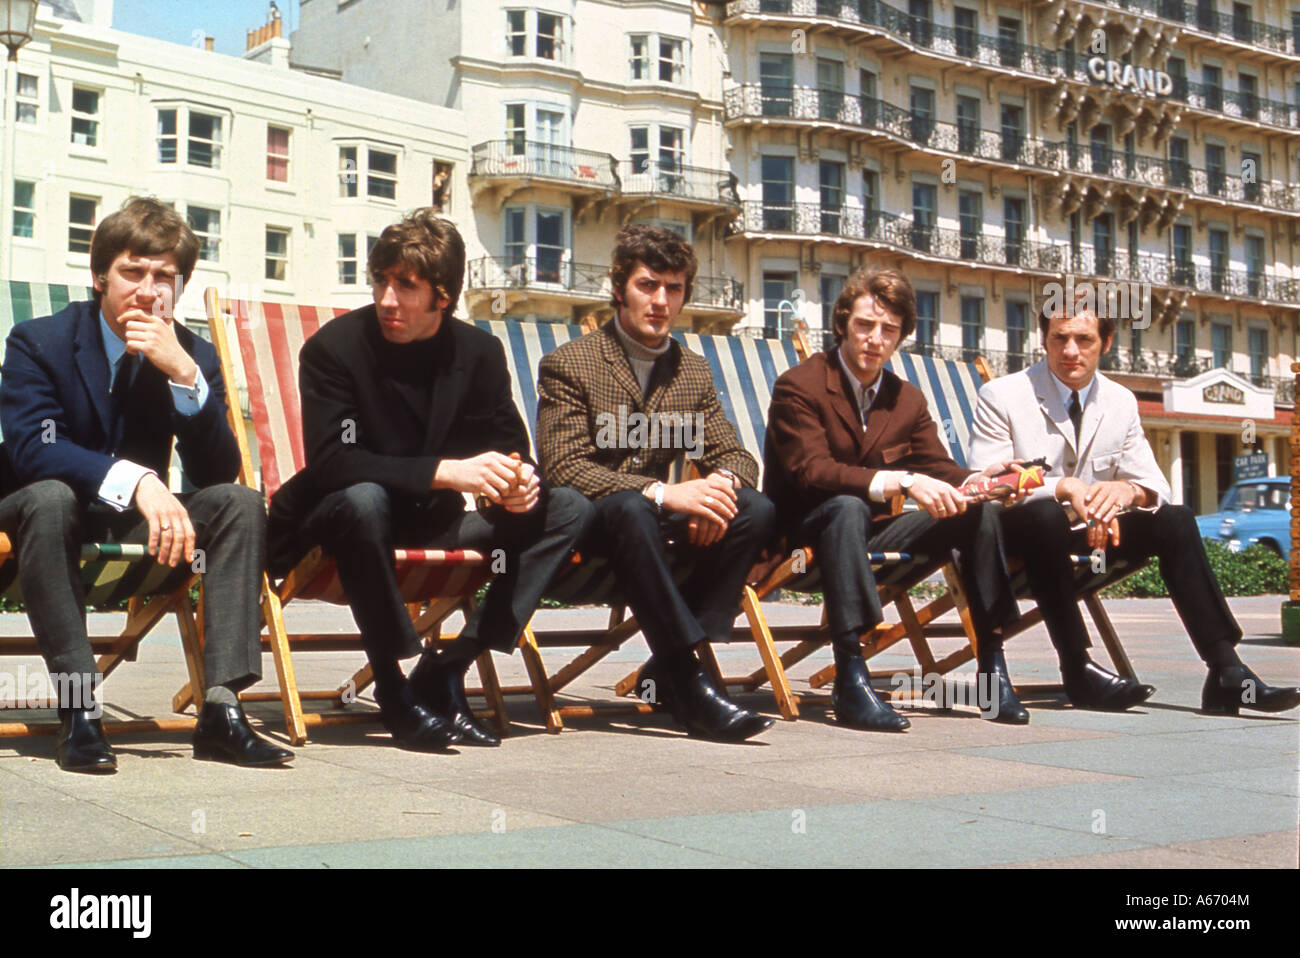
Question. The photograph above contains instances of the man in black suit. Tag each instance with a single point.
(90, 401)
(404, 410)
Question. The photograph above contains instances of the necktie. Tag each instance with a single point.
(122, 384)
(1076, 414)
(867, 396)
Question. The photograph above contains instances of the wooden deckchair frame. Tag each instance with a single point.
(427, 616)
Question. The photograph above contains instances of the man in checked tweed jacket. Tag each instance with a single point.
(615, 409)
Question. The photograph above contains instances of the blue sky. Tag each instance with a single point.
(179, 21)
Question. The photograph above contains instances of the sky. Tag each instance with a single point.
(186, 21)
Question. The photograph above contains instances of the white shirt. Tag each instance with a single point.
(866, 397)
(1065, 391)
(118, 487)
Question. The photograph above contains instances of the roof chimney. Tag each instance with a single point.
(208, 43)
(272, 29)
(266, 43)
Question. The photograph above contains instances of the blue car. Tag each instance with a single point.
(1253, 511)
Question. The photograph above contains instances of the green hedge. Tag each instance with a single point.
(1254, 571)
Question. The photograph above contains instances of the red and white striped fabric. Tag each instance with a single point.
(421, 574)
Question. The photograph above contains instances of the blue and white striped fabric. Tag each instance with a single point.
(951, 389)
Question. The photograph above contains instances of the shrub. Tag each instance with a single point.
(1254, 571)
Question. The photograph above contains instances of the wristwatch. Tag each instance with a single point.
(905, 482)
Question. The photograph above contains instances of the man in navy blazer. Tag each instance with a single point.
(90, 401)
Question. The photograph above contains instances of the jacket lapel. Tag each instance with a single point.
(92, 365)
(1091, 416)
(1049, 401)
(841, 401)
(617, 360)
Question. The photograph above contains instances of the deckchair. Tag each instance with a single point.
(112, 573)
(434, 583)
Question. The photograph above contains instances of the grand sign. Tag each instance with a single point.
(1223, 392)
(1128, 77)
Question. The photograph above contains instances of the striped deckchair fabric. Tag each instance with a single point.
(422, 573)
(950, 390)
(112, 573)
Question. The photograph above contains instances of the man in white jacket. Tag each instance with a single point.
(1101, 469)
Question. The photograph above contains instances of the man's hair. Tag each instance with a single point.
(1046, 313)
(143, 227)
(889, 287)
(427, 245)
(662, 250)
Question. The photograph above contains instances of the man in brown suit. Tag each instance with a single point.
(832, 478)
(616, 408)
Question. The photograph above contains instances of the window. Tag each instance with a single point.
(1099, 150)
(970, 217)
(277, 254)
(867, 92)
(1250, 184)
(1241, 25)
(516, 32)
(549, 38)
(1205, 15)
(871, 204)
(640, 56)
(24, 209)
(1248, 95)
(1176, 67)
(779, 311)
(1017, 334)
(352, 269)
(927, 317)
(27, 102)
(1218, 260)
(1221, 344)
(1180, 169)
(831, 181)
(1008, 42)
(830, 88)
(829, 286)
(85, 116)
(1258, 345)
(672, 61)
(920, 22)
(1181, 242)
(1013, 222)
(972, 327)
(536, 244)
(1103, 244)
(1185, 340)
(1213, 78)
(925, 199)
(966, 30)
(206, 225)
(1013, 131)
(968, 123)
(167, 139)
(379, 172)
(778, 192)
(204, 142)
(1254, 265)
(516, 128)
(921, 104)
(82, 213)
(277, 154)
(776, 81)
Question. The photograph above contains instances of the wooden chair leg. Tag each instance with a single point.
(487, 673)
(191, 629)
(758, 627)
(1108, 636)
(295, 725)
(532, 655)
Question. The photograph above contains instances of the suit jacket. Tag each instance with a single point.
(816, 447)
(55, 371)
(1022, 416)
(585, 387)
(471, 411)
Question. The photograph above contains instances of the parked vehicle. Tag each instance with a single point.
(1253, 511)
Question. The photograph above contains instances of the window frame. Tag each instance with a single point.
(362, 171)
(93, 119)
(274, 159)
(205, 235)
(268, 258)
(32, 101)
(79, 225)
(29, 210)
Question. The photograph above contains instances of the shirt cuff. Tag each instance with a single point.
(118, 487)
(876, 491)
(188, 400)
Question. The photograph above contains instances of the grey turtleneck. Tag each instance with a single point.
(642, 358)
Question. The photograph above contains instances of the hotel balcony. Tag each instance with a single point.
(1161, 364)
(501, 168)
(1236, 106)
(645, 183)
(1199, 279)
(1231, 31)
(580, 287)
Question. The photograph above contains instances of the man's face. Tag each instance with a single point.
(406, 305)
(871, 335)
(146, 283)
(1074, 348)
(651, 301)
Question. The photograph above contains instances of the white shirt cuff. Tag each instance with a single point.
(118, 487)
(188, 400)
(876, 491)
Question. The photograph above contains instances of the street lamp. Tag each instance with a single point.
(17, 23)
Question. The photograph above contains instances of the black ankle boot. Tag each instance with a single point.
(81, 745)
(856, 703)
(1229, 689)
(441, 685)
(1002, 704)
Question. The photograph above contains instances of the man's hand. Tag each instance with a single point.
(712, 498)
(937, 497)
(1106, 500)
(1001, 469)
(171, 536)
(154, 338)
(704, 532)
(490, 474)
(526, 492)
(1076, 492)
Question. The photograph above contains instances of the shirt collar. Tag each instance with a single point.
(114, 348)
(866, 395)
(1064, 391)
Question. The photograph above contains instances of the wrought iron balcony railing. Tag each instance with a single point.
(1237, 104)
(656, 178)
(1236, 189)
(553, 273)
(1231, 26)
(519, 157)
(1185, 365)
(1169, 272)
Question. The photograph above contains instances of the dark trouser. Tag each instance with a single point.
(1170, 533)
(839, 530)
(360, 528)
(626, 530)
(47, 526)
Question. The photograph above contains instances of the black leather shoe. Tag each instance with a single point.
(414, 725)
(222, 734)
(442, 688)
(1003, 704)
(1092, 687)
(81, 745)
(699, 705)
(856, 703)
(1229, 690)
